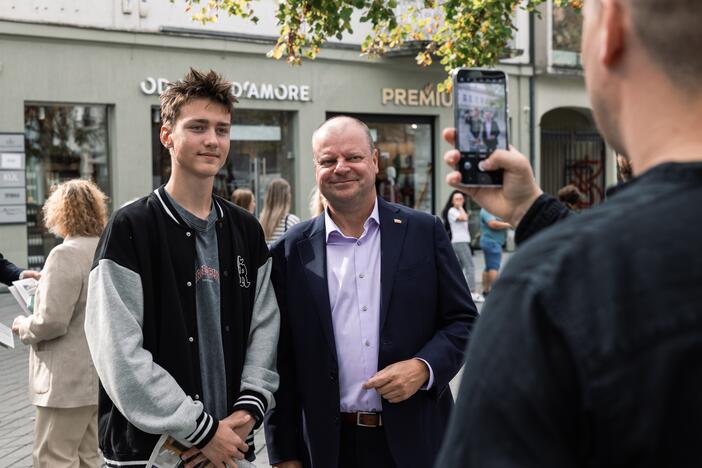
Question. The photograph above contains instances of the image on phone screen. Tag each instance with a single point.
(481, 121)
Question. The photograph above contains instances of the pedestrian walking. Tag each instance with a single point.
(455, 216)
(63, 384)
(493, 235)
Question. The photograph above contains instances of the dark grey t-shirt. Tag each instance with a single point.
(212, 372)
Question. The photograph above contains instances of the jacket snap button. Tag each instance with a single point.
(226, 328)
(188, 234)
(197, 397)
(189, 283)
(191, 339)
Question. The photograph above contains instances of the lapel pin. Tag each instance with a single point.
(398, 221)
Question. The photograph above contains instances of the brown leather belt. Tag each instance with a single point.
(363, 419)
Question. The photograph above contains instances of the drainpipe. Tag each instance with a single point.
(532, 92)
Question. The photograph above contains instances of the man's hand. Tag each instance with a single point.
(518, 192)
(289, 464)
(225, 447)
(245, 428)
(30, 274)
(17, 323)
(399, 381)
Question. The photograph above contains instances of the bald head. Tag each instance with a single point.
(337, 125)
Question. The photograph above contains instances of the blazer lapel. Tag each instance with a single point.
(393, 226)
(313, 255)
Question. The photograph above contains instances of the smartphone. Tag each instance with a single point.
(480, 117)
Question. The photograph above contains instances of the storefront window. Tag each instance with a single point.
(261, 150)
(62, 142)
(405, 158)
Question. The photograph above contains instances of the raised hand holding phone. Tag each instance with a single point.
(480, 116)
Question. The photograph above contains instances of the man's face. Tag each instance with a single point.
(488, 115)
(199, 139)
(601, 83)
(345, 166)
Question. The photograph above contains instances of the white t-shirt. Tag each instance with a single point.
(459, 229)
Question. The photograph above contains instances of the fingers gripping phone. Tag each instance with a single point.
(480, 117)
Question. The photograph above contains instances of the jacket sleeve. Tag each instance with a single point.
(9, 272)
(145, 393)
(284, 423)
(455, 313)
(57, 294)
(259, 379)
(519, 402)
(545, 211)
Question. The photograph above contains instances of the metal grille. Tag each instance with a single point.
(576, 158)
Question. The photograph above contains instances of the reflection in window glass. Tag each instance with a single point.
(405, 163)
(567, 32)
(62, 142)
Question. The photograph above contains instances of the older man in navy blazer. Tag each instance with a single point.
(375, 317)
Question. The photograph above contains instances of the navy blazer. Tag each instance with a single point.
(426, 311)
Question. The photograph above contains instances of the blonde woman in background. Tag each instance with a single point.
(276, 218)
(63, 384)
(244, 198)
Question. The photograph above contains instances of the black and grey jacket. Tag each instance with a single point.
(141, 327)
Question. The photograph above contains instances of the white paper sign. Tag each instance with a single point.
(12, 161)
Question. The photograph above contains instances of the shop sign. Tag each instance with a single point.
(428, 96)
(11, 161)
(13, 182)
(13, 214)
(11, 142)
(13, 196)
(246, 90)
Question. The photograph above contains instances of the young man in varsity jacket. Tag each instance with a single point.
(182, 320)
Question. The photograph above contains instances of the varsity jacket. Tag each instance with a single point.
(141, 327)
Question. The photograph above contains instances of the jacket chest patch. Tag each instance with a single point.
(243, 274)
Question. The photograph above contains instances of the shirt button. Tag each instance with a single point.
(358, 243)
(191, 339)
(364, 308)
(188, 234)
(361, 276)
(189, 283)
(367, 343)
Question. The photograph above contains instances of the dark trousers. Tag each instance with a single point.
(364, 447)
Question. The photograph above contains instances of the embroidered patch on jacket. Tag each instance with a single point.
(243, 276)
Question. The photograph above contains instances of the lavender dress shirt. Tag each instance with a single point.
(353, 277)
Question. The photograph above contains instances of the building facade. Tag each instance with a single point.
(79, 87)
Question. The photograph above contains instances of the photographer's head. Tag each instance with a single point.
(642, 63)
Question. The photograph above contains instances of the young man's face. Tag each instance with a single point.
(199, 139)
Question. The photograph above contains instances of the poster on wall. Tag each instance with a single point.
(13, 182)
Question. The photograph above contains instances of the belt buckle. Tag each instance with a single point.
(358, 419)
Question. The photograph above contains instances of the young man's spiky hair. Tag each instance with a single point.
(196, 84)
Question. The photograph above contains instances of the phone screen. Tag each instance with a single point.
(481, 120)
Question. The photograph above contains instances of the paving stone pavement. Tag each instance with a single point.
(17, 414)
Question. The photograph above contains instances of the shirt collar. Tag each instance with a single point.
(331, 227)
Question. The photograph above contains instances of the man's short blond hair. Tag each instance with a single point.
(671, 33)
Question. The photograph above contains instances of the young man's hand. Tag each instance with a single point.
(518, 192)
(226, 446)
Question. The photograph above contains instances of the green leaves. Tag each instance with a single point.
(459, 33)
